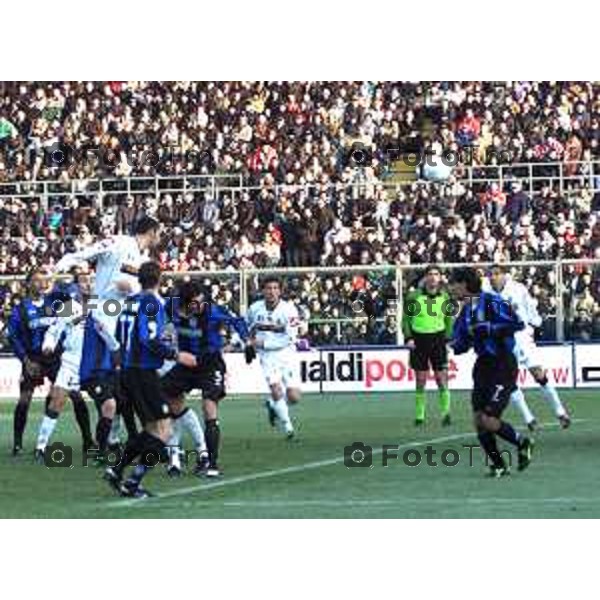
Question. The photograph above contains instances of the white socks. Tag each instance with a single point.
(173, 444)
(46, 429)
(517, 398)
(553, 400)
(550, 395)
(188, 420)
(283, 414)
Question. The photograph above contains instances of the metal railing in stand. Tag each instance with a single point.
(533, 175)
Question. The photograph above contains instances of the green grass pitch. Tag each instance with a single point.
(269, 477)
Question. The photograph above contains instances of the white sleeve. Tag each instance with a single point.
(109, 339)
(53, 334)
(90, 253)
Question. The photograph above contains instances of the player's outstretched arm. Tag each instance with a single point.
(92, 252)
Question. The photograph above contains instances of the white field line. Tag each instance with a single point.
(398, 502)
(204, 487)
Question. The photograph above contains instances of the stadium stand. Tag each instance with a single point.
(250, 175)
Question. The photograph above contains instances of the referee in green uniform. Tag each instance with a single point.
(427, 330)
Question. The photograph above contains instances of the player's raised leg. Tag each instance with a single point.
(551, 396)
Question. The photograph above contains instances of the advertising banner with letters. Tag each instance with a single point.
(373, 370)
(587, 360)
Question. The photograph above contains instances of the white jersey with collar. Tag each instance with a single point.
(277, 328)
(520, 299)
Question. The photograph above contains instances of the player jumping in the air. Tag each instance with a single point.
(66, 332)
(200, 326)
(139, 333)
(488, 325)
(427, 330)
(117, 260)
(273, 324)
(526, 350)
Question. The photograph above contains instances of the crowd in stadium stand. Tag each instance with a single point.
(312, 198)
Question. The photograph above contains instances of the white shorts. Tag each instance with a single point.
(526, 351)
(280, 367)
(68, 376)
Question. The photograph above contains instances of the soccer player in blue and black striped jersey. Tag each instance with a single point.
(143, 351)
(27, 326)
(487, 323)
(201, 326)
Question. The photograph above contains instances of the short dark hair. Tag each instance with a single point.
(145, 224)
(270, 279)
(469, 277)
(432, 268)
(500, 267)
(189, 290)
(149, 275)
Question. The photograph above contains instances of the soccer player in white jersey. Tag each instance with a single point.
(526, 350)
(273, 325)
(117, 260)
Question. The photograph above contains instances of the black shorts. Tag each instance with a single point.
(208, 377)
(494, 380)
(49, 366)
(430, 350)
(102, 387)
(142, 388)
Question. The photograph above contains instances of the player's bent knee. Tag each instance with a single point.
(209, 409)
(276, 391)
(109, 408)
(163, 430)
(58, 401)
